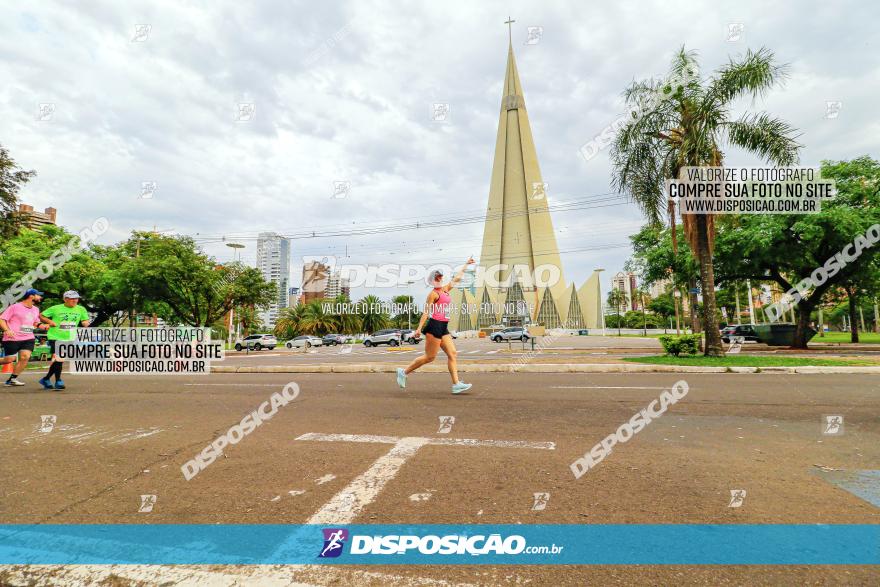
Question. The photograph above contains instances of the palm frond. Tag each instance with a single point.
(753, 74)
(771, 138)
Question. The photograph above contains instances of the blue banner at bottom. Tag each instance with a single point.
(611, 544)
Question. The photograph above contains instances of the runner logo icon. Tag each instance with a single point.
(334, 541)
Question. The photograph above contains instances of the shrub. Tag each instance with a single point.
(688, 344)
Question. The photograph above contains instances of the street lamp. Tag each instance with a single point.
(599, 270)
(235, 247)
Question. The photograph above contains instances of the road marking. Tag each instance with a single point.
(233, 384)
(346, 505)
(325, 479)
(473, 352)
(600, 387)
(252, 355)
(491, 352)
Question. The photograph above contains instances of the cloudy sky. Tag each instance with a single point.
(343, 91)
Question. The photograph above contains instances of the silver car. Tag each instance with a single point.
(304, 341)
(513, 333)
(257, 342)
(389, 336)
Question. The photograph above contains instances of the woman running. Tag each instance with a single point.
(437, 309)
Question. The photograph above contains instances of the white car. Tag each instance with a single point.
(257, 342)
(304, 341)
(513, 333)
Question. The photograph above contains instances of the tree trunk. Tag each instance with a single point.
(713, 346)
(853, 327)
(804, 310)
(692, 302)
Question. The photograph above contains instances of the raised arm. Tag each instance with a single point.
(459, 275)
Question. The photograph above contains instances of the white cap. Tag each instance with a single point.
(71, 294)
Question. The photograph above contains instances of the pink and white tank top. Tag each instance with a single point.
(440, 308)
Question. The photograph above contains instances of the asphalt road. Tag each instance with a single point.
(116, 438)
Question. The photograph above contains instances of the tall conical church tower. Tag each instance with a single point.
(519, 233)
(519, 230)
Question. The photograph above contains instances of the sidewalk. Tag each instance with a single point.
(534, 368)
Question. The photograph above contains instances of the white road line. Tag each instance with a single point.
(346, 505)
(491, 352)
(434, 441)
(233, 384)
(601, 387)
(473, 352)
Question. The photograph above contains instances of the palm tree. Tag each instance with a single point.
(373, 318)
(685, 123)
(315, 320)
(346, 322)
(288, 324)
(406, 318)
(617, 298)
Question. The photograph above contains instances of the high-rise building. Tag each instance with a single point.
(273, 261)
(292, 297)
(314, 280)
(320, 281)
(626, 282)
(337, 285)
(519, 234)
(35, 220)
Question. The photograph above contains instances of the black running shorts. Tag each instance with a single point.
(436, 328)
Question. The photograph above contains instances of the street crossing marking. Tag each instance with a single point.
(346, 505)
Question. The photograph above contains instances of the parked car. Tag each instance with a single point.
(257, 342)
(333, 339)
(409, 336)
(389, 336)
(513, 333)
(306, 340)
(746, 331)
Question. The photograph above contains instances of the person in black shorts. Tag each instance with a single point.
(435, 324)
(17, 323)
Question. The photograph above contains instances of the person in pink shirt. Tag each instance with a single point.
(434, 323)
(17, 323)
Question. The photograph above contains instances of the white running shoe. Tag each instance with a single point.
(16, 382)
(401, 378)
(461, 387)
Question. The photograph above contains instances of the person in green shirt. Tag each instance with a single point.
(63, 319)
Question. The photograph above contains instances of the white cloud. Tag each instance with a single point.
(343, 92)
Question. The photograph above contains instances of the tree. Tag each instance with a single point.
(288, 324)
(685, 123)
(170, 269)
(663, 305)
(315, 320)
(373, 318)
(616, 298)
(12, 178)
(405, 319)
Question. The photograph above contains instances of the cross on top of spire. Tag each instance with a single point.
(509, 23)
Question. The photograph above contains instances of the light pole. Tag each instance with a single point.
(235, 247)
(751, 303)
(599, 270)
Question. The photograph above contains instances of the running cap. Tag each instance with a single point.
(71, 294)
(32, 292)
(435, 275)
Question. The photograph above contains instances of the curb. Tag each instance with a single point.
(539, 368)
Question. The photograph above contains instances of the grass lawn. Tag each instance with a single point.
(832, 337)
(746, 361)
